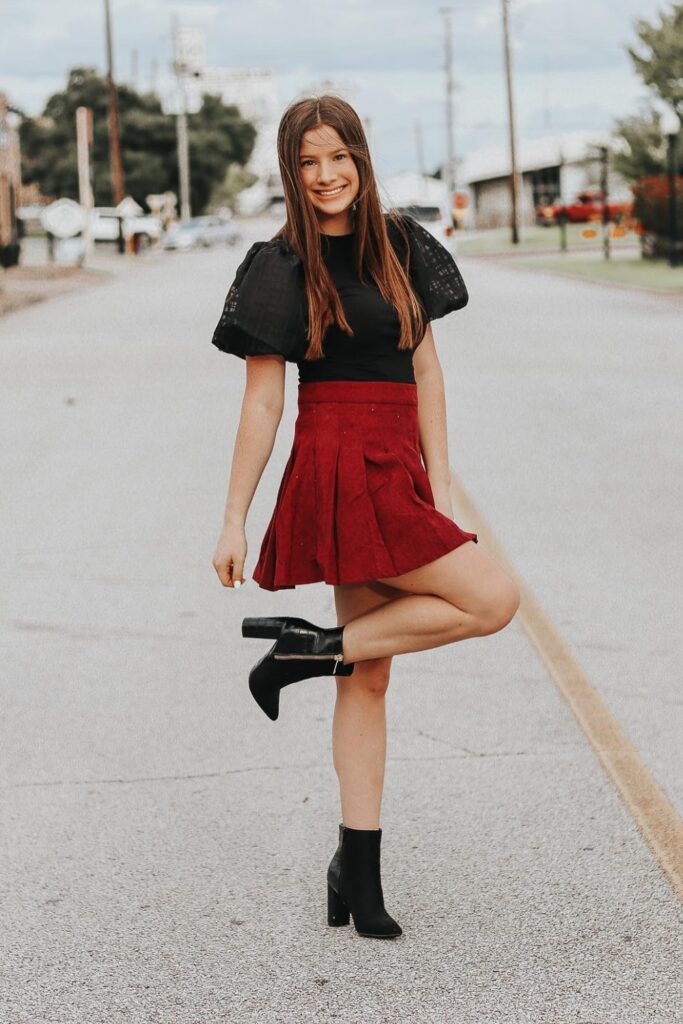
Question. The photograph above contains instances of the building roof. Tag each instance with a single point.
(532, 154)
(408, 187)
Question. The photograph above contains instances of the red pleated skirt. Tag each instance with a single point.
(354, 503)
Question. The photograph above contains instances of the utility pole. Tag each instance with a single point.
(419, 147)
(448, 68)
(114, 132)
(181, 128)
(514, 173)
(84, 136)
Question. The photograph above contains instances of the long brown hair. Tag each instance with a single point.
(373, 252)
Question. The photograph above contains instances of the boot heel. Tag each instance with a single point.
(269, 629)
(337, 912)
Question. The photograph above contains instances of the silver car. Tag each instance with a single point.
(201, 232)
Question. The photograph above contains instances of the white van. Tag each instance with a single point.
(425, 199)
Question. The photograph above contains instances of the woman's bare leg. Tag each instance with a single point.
(359, 724)
(464, 593)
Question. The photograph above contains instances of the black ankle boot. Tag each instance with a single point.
(301, 651)
(354, 885)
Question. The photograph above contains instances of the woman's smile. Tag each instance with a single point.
(331, 192)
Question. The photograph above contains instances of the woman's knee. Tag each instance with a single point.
(371, 677)
(499, 608)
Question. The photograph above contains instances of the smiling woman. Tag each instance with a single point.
(330, 177)
(347, 292)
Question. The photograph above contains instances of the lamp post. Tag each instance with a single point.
(671, 126)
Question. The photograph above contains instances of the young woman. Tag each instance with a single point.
(347, 292)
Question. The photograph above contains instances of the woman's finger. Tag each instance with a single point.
(238, 573)
(224, 570)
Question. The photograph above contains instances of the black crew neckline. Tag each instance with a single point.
(324, 234)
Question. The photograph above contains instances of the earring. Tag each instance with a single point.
(353, 207)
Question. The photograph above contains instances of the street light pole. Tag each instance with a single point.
(604, 188)
(670, 127)
(673, 212)
(183, 158)
(514, 174)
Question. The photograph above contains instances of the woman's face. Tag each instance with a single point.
(329, 175)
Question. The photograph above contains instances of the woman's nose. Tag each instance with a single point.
(326, 173)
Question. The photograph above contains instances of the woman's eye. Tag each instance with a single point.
(341, 155)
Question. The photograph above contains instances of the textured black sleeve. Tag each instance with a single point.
(433, 272)
(263, 313)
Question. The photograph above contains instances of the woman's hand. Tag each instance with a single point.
(230, 555)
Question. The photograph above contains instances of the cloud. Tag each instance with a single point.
(391, 50)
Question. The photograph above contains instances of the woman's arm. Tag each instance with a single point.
(431, 411)
(260, 417)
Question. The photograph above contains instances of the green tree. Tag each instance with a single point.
(643, 148)
(217, 133)
(658, 60)
(226, 192)
(218, 137)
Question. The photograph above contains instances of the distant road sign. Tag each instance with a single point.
(129, 208)
(64, 218)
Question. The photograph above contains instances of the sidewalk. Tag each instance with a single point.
(36, 280)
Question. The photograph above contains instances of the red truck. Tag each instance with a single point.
(587, 206)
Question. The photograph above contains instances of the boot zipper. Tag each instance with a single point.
(327, 657)
(310, 632)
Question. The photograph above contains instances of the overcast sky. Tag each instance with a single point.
(571, 68)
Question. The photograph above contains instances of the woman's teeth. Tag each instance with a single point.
(332, 192)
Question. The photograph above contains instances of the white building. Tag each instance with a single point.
(550, 167)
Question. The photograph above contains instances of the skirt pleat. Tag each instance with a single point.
(354, 503)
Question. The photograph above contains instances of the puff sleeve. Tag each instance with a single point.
(433, 272)
(263, 313)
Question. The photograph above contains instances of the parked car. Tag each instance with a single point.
(434, 217)
(201, 232)
(105, 227)
(585, 206)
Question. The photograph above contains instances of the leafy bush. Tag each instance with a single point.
(652, 211)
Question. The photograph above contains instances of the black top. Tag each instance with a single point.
(372, 352)
(265, 311)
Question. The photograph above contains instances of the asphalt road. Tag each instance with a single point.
(164, 845)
